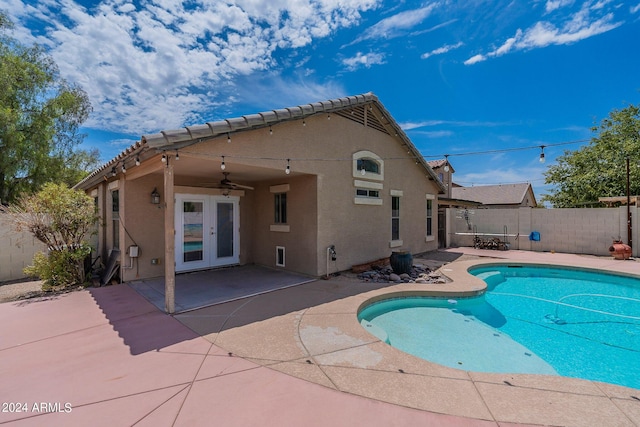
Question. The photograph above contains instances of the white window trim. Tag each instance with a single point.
(432, 237)
(280, 228)
(367, 201)
(368, 184)
(364, 154)
(282, 188)
(398, 242)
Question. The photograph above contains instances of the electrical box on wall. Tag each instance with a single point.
(134, 251)
(155, 261)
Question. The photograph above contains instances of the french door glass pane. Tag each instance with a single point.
(225, 229)
(192, 231)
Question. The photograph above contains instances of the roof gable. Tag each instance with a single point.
(503, 194)
(365, 109)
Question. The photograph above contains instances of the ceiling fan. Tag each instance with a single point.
(226, 184)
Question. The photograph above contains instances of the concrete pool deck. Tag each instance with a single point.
(297, 356)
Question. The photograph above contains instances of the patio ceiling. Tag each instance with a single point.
(198, 171)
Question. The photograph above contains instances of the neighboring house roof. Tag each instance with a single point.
(504, 194)
(439, 163)
(183, 137)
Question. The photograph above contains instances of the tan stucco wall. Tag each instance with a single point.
(320, 200)
(571, 230)
(17, 250)
(300, 241)
(360, 233)
(144, 222)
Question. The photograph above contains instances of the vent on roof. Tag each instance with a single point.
(357, 114)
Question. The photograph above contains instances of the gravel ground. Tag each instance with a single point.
(21, 290)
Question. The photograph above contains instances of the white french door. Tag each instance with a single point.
(207, 231)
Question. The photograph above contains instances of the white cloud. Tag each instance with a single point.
(475, 59)
(273, 89)
(635, 9)
(396, 25)
(441, 50)
(363, 60)
(581, 25)
(156, 65)
(416, 125)
(552, 5)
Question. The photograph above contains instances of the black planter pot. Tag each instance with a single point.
(401, 262)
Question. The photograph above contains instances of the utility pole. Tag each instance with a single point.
(629, 242)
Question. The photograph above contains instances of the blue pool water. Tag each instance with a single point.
(539, 320)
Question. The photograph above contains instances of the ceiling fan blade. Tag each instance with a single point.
(244, 187)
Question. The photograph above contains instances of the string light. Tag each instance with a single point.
(304, 122)
(177, 155)
(137, 160)
(288, 169)
(446, 163)
(228, 138)
(222, 165)
(113, 171)
(124, 169)
(270, 130)
(542, 154)
(164, 158)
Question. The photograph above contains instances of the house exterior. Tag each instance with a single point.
(313, 189)
(497, 196)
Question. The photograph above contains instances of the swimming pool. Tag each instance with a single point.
(532, 319)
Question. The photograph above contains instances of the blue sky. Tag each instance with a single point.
(460, 77)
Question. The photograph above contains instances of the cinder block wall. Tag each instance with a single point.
(580, 231)
(16, 251)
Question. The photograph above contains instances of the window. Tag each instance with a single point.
(395, 218)
(363, 192)
(115, 217)
(280, 203)
(369, 165)
(429, 217)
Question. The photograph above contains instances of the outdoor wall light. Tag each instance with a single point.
(155, 197)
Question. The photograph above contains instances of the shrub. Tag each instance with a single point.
(61, 218)
(60, 268)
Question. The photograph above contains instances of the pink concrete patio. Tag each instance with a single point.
(118, 361)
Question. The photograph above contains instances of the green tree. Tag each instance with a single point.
(40, 117)
(599, 169)
(62, 219)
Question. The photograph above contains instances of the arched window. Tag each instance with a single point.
(368, 165)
